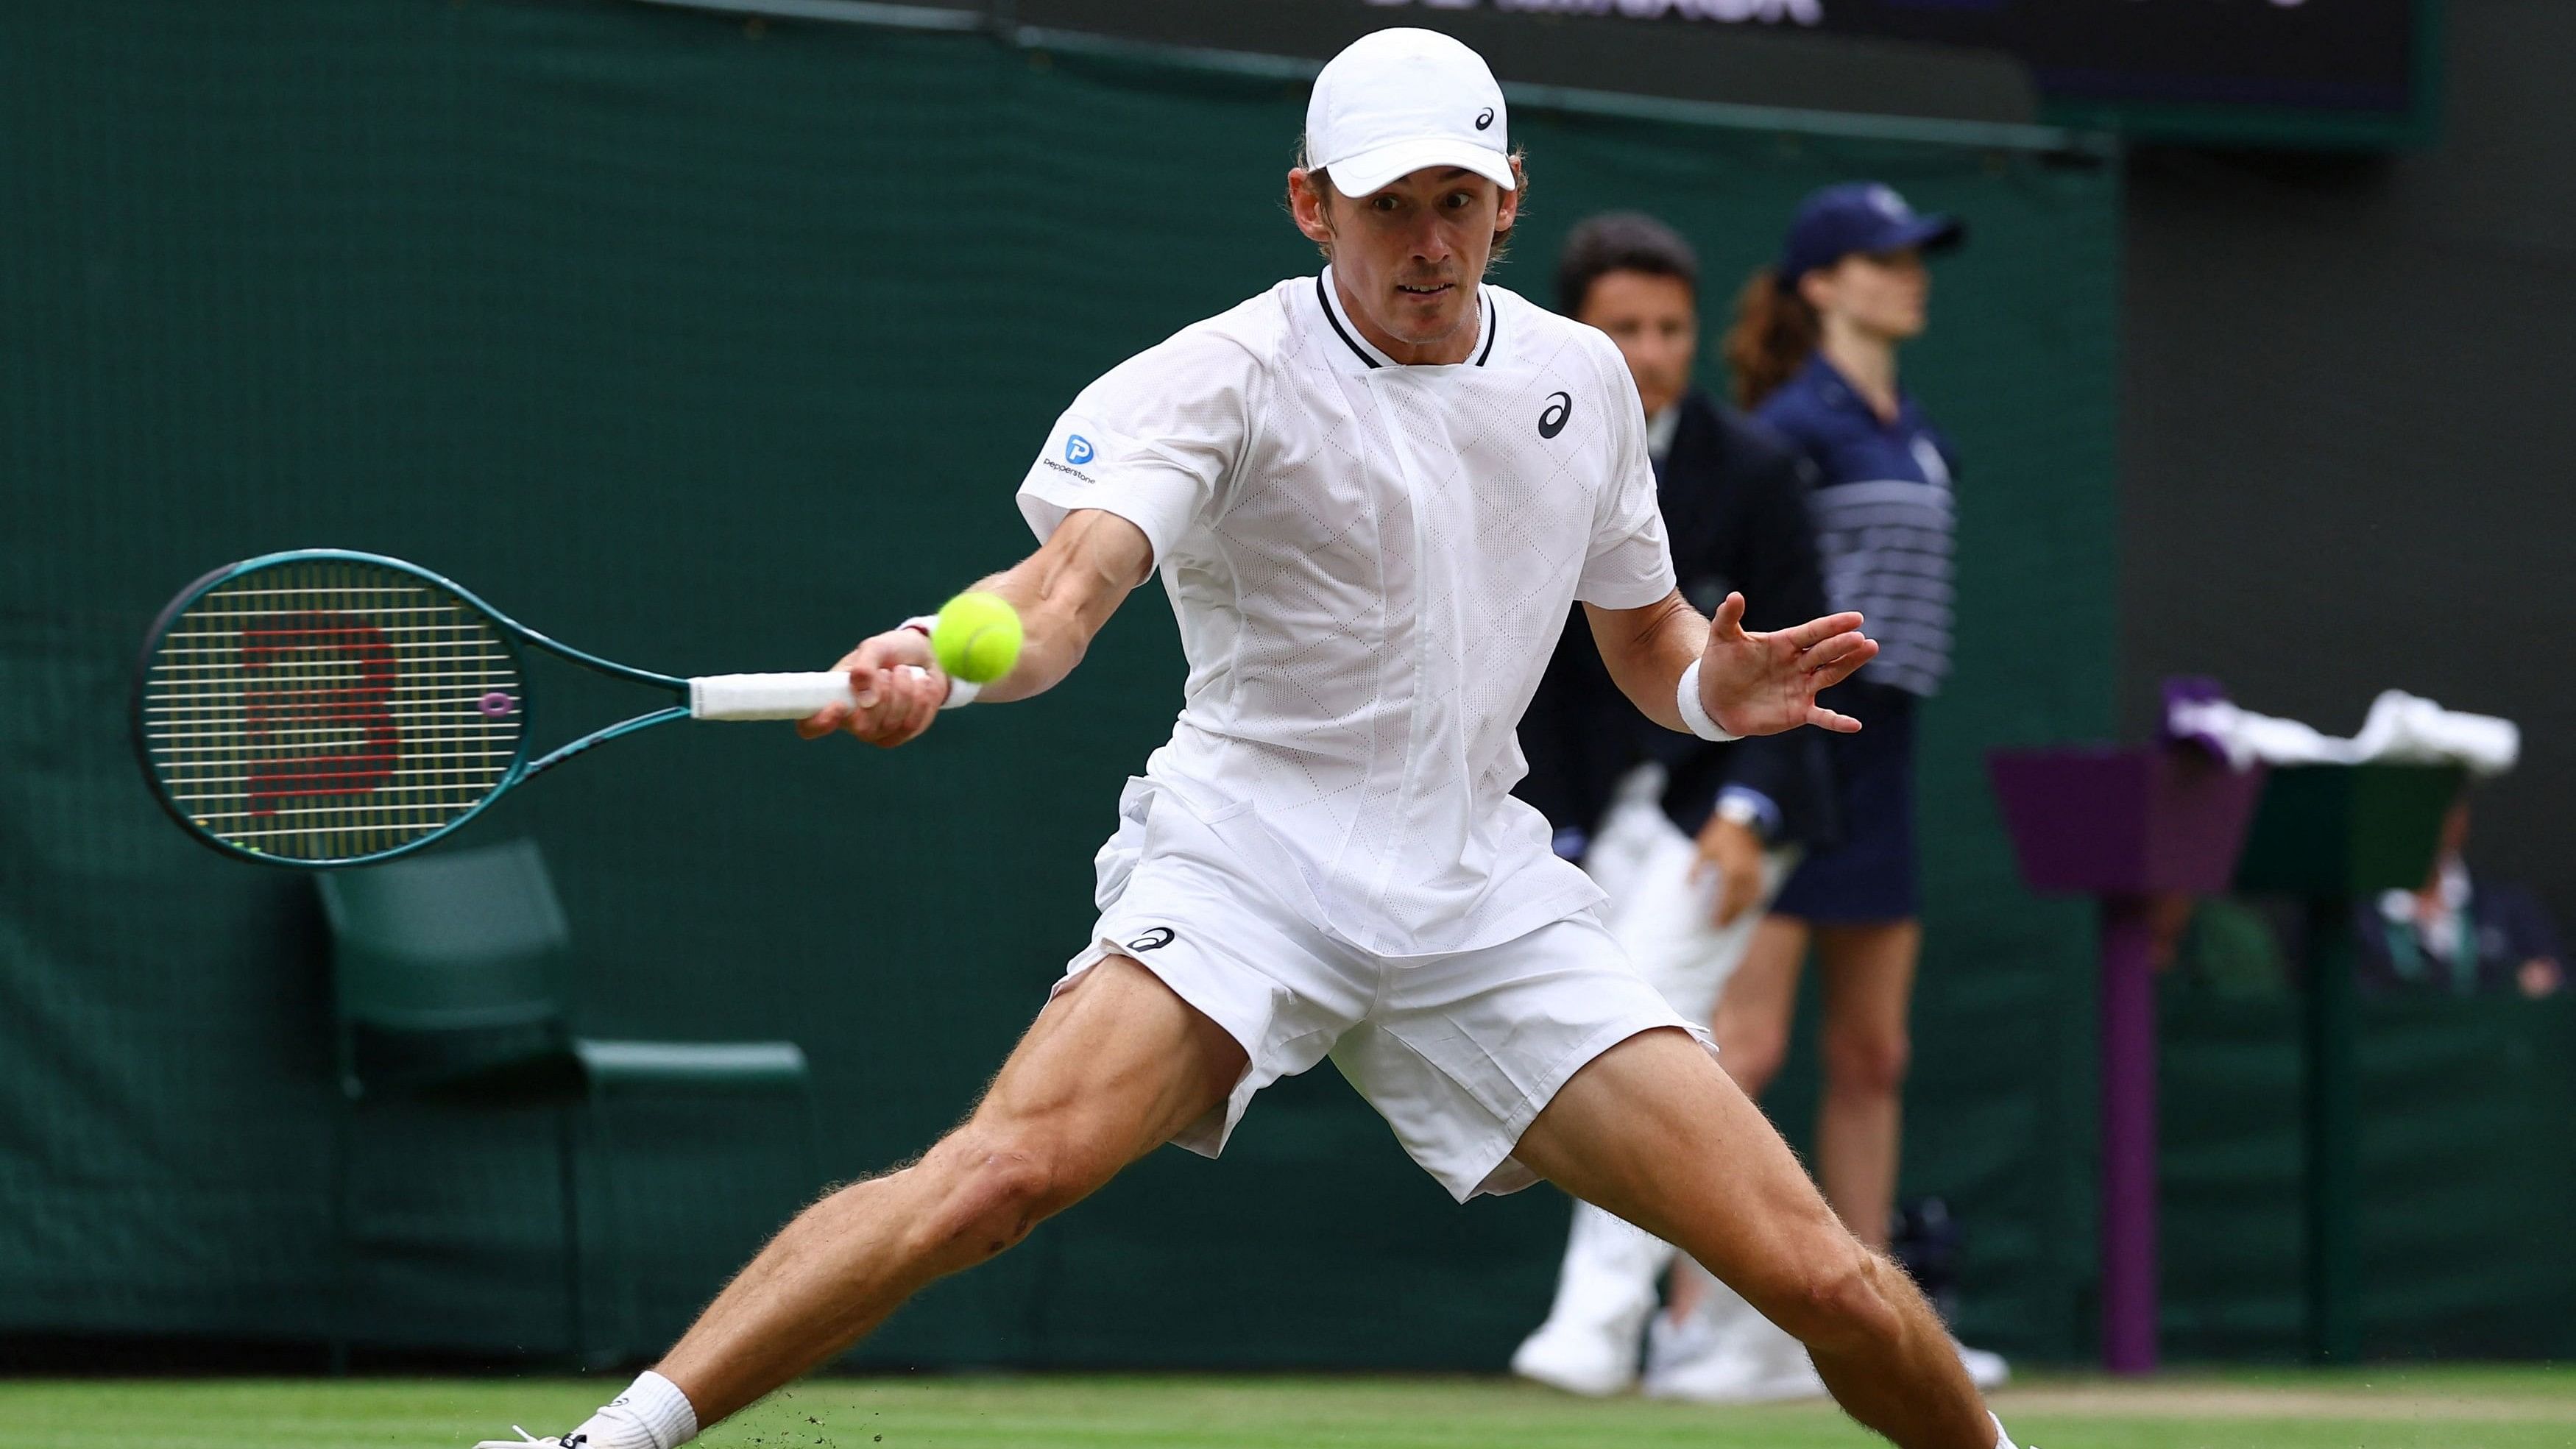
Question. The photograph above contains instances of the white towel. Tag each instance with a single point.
(2402, 728)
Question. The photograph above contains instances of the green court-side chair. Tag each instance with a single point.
(447, 972)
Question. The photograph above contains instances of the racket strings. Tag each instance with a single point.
(325, 709)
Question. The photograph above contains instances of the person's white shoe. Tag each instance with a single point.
(1604, 1293)
(527, 1440)
(1741, 1375)
(1986, 1368)
(1726, 1353)
(1692, 1339)
(1578, 1359)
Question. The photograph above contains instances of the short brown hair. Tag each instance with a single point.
(1620, 241)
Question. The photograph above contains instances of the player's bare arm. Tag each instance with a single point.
(1750, 683)
(1064, 593)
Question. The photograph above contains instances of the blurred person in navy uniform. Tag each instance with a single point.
(1814, 352)
(1688, 838)
(2458, 932)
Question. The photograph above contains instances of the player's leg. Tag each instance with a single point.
(1868, 977)
(1653, 1131)
(1760, 1003)
(1114, 1067)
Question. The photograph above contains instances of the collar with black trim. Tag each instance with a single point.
(1363, 356)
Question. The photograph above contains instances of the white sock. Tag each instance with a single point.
(651, 1414)
(2002, 1439)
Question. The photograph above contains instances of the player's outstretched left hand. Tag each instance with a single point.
(1762, 684)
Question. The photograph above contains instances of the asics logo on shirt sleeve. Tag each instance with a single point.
(1153, 940)
(1560, 406)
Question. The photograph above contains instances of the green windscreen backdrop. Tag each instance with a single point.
(709, 345)
(2468, 1164)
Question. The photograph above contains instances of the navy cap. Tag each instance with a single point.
(1859, 216)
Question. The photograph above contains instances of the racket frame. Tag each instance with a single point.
(512, 633)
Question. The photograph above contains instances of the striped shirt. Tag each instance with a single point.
(1886, 519)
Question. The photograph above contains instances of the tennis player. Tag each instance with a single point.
(1372, 495)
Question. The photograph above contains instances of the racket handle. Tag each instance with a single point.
(766, 696)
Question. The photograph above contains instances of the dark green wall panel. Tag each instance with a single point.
(2468, 1110)
(708, 346)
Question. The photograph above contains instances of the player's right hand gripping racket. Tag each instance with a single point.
(324, 708)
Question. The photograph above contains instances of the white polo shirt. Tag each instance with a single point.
(1370, 563)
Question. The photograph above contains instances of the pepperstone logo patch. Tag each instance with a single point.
(1560, 406)
(1078, 450)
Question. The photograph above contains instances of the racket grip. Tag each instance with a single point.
(765, 696)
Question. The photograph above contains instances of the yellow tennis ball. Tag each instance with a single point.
(977, 638)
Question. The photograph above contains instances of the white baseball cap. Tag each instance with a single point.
(1399, 100)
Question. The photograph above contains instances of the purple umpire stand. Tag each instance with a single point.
(2126, 826)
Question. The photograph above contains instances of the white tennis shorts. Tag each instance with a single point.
(1459, 1052)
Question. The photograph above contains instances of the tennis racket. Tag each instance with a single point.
(325, 708)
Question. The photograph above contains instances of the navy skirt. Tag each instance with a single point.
(1869, 875)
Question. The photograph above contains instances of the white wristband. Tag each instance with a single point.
(1694, 714)
(960, 693)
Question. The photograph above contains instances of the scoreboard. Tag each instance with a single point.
(2329, 71)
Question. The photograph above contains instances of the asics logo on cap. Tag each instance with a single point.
(1560, 406)
(1485, 118)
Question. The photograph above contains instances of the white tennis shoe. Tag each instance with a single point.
(1595, 1360)
(1575, 1360)
(527, 1440)
(1732, 1355)
(1986, 1368)
(1604, 1293)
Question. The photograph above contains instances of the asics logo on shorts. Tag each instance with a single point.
(1153, 940)
(1560, 406)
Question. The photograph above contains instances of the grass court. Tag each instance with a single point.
(2373, 1408)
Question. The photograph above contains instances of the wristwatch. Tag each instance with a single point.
(1736, 810)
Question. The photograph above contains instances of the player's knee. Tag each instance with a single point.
(1844, 1302)
(1867, 1063)
(994, 1190)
